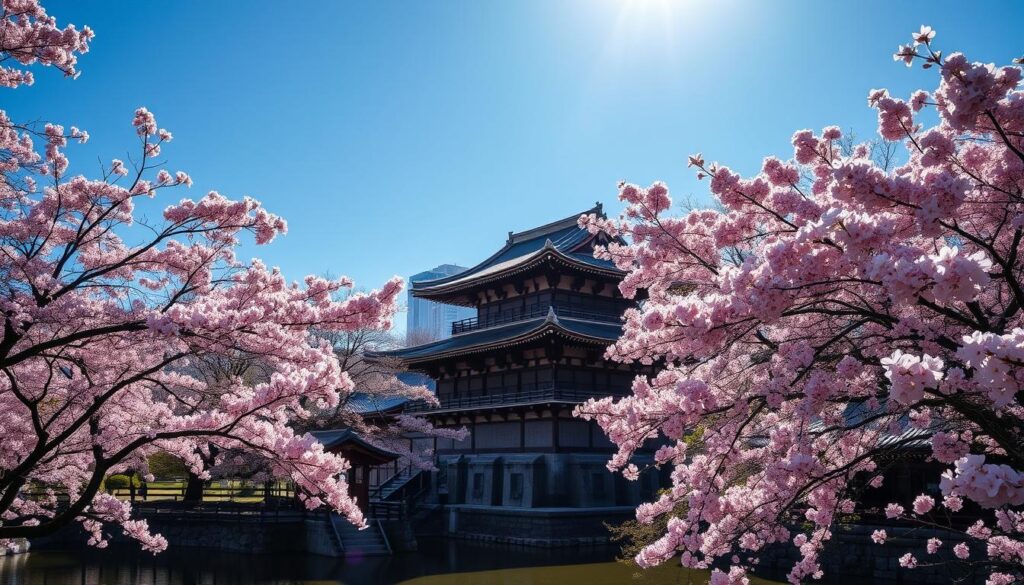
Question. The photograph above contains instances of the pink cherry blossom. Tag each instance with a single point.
(961, 551)
(918, 100)
(144, 122)
(735, 576)
(948, 447)
(832, 313)
(911, 375)
(923, 504)
(32, 37)
(925, 35)
(119, 343)
(893, 511)
(908, 561)
(905, 53)
(990, 485)
(953, 502)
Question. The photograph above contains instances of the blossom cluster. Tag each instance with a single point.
(838, 310)
(119, 343)
(29, 36)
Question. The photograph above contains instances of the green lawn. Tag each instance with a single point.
(589, 574)
(229, 491)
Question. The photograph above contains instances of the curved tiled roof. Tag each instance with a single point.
(366, 404)
(333, 439)
(561, 239)
(596, 332)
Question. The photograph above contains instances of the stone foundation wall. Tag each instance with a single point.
(294, 533)
(851, 557)
(534, 526)
(317, 538)
(536, 480)
(300, 534)
(400, 535)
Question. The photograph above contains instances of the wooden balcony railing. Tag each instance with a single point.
(173, 491)
(530, 312)
(533, 396)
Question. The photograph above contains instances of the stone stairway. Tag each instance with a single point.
(354, 542)
(396, 482)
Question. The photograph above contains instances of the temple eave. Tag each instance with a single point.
(496, 407)
(545, 328)
(456, 292)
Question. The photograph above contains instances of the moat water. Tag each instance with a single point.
(438, 562)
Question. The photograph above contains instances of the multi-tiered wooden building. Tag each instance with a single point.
(529, 472)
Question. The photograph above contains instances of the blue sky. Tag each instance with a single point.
(395, 136)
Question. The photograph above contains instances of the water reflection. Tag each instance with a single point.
(181, 566)
(438, 562)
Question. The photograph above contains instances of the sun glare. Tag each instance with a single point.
(647, 11)
(649, 24)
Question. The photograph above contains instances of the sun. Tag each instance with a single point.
(645, 23)
(648, 8)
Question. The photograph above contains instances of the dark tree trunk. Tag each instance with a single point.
(194, 486)
(193, 489)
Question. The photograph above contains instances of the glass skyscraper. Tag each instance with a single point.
(427, 320)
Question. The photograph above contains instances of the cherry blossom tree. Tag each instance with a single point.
(377, 382)
(107, 320)
(29, 36)
(814, 328)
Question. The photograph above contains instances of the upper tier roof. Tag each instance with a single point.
(563, 240)
(581, 330)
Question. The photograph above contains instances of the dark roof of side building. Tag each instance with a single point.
(334, 439)
(368, 404)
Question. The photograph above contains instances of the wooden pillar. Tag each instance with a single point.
(554, 429)
(522, 431)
